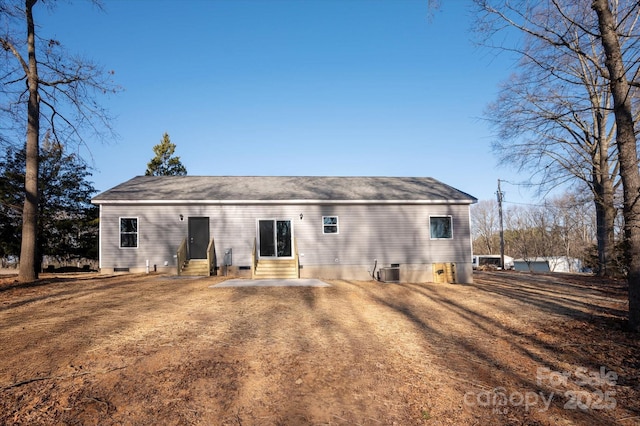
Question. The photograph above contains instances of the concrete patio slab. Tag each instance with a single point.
(300, 282)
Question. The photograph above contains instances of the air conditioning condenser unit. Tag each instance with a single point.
(390, 275)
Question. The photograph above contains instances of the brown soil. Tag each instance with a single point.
(151, 349)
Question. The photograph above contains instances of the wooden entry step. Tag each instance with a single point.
(196, 267)
(276, 268)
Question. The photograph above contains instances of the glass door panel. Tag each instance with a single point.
(283, 238)
(275, 238)
(266, 240)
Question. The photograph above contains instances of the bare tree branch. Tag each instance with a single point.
(67, 89)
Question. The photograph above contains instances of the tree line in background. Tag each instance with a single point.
(48, 99)
(67, 221)
(564, 226)
(569, 112)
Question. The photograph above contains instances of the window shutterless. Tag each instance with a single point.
(128, 232)
(440, 227)
(329, 224)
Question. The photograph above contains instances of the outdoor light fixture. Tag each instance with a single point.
(301, 215)
(181, 218)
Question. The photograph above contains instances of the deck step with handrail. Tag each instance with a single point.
(275, 268)
(196, 267)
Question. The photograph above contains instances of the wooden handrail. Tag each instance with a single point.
(254, 259)
(296, 257)
(182, 255)
(211, 254)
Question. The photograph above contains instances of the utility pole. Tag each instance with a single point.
(499, 194)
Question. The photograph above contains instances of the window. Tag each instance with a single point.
(440, 227)
(128, 232)
(329, 224)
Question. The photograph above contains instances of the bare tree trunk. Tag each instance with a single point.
(627, 153)
(605, 219)
(69, 97)
(603, 188)
(28, 252)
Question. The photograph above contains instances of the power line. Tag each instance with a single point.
(524, 204)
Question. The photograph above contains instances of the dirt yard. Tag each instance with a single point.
(510, 349)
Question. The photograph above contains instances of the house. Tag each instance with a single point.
(549, 264)
(397, 228)
(537, 264)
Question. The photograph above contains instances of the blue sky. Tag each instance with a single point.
(293, 87)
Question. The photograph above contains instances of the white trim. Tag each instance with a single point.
(470, 236)
(450, 220)
(287, 202)
(337, 225)
(100, 237)
(120, 232)
(275, 229)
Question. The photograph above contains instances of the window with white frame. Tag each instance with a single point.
(440, 227)
(128, 232)
(329, 224)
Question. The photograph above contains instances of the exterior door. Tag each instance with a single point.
(275, 238)
(198, 237)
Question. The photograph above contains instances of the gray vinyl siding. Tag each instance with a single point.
(390, 233)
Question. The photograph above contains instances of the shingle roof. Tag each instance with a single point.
(287, 189)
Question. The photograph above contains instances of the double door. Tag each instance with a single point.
(275, 238)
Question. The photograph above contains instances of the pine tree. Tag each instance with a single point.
(164, 164)
(67, 225)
